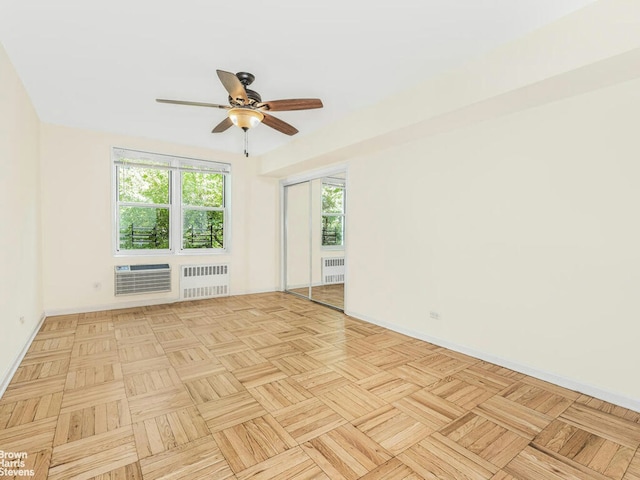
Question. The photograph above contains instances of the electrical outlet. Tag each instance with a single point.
(435, 315)
(22, 319)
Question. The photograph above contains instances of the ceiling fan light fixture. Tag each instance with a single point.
(245, 117)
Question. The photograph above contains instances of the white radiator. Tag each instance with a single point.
(132, 279)
(204, 281)
(332, 270)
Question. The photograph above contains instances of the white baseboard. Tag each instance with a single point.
(607, 396)
(255, 292)
(4, 382)
(303, 285)
(138, 303)
(109, 306)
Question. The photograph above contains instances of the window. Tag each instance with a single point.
(166, 204)
(333, 200)
(202, 209)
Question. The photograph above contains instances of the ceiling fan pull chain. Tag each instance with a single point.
(246, 142)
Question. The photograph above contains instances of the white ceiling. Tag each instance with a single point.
(100, 65)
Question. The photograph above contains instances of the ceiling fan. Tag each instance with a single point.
(246, 108)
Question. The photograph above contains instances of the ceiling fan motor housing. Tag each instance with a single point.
(246, 78)
(253, 96)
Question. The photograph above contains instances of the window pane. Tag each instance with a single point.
(203, 229)
(143, 185)
(202, 189)
(332, 230)
(144, 228)
(332, 199)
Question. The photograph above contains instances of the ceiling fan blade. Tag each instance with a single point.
(194, 104)
(291, 104)
(223, 125)
(233, 85)
(279, 125)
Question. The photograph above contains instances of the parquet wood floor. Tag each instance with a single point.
(272, 386)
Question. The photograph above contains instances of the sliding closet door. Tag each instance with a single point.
(297, 238)
(328, 195)
(314, 212)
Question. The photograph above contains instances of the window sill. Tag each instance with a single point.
(332, 248)
(169, 253)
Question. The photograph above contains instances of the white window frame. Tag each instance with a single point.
(175, 166)
(334, 182)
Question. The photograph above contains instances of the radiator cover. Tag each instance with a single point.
(332, 270)
(204, 281)
(136, 279)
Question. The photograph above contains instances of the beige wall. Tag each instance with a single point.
(78, 257)
(512, 195)
(521, 233)
(20, 272)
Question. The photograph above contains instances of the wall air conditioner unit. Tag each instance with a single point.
(133, 279)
